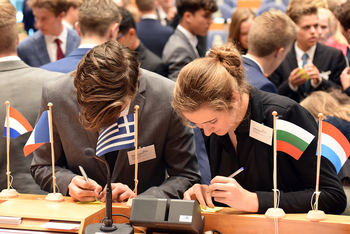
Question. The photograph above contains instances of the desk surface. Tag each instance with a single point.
(227, 220)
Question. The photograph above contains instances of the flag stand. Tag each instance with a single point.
(8, 193)
(53, 197)
(275, 212)
(316, 214)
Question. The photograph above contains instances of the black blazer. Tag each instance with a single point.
(325, 59)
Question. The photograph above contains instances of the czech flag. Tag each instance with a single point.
(291, 138)
(17, 123)
(334, 145)
(120, 135)
(40, 134)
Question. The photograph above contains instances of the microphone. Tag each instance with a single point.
(108, 225)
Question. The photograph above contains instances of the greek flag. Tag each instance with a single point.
(120, 135)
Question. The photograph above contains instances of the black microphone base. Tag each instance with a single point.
(116, 228)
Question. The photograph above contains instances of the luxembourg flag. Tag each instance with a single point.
(291, 138)
(18, 124)
(334, 145)
(120, 135)
(40, 134)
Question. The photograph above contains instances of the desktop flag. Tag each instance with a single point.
(292, 139)
(18, 124)
(120, 135)
(334, 145)
(40, 134)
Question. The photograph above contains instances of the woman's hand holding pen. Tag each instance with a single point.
(200, 192)
(81, 190)
(228, 191)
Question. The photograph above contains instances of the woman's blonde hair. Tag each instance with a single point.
(326, 103)
(210, 81)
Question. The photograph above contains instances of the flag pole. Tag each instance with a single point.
(53, 196)
(315, 214)
(9, 193)
(275, 212)
(136, 146)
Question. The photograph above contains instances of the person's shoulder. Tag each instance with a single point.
(30, 39)
(156, 82)
(328, 49)
(268, 99)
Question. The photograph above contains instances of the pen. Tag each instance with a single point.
(86, 177)
(236, 172)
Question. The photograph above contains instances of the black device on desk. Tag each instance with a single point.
(167, 215)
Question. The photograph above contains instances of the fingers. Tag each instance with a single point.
(200, 193)
(80, 190)
(120, 192)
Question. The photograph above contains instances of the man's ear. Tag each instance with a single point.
(77, 27)
(132, 32)
(186, 18)
(61, 15)
(113, 30)
(348, 32)
(279, 52)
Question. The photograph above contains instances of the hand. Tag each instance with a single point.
(120, 192)
(80, 190)
(230, 192)
(295, 77)
(313, 73)
(200, 192)
(171, 14)
(345, 78)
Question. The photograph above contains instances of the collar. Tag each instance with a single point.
(67, 24)
(62, 36)
(190, 37)
(9, 58)
(250, 58)
(149, 16)
(86, 46)
(299, 52)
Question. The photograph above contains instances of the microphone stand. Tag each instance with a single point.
(108, 225)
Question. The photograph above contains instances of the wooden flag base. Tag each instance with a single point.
(316, 215)
(272, 213)
(54, 197)
(129, 203)
(9, 193)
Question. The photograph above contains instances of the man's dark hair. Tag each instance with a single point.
(127, 20)
(195, 5)
(342, 13)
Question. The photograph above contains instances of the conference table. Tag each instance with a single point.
(37, 214)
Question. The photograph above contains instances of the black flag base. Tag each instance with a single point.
(116, 228)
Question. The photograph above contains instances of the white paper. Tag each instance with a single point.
(61, 225)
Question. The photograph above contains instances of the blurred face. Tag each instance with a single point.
(47, 22)
(166, 4)
(244, 31)
(323, 28)
(307, 35)
(346, 33)
(199, 22)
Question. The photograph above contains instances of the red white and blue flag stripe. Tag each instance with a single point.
(40, 134)
(120, 135)
(334, 145)
(17, 123)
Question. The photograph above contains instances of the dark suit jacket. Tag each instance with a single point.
(153, 35)
(325, 59)
(159, 125)
(21, 86)
(68, 63)
(32, 50)
(255, 77)
(150, 61)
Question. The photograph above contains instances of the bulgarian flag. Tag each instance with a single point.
(291, 138)
(334, 145)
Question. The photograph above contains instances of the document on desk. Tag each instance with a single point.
(61, 225)
(10, 220)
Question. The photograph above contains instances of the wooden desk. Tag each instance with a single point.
(35, 212)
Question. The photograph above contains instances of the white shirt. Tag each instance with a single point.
(9, 58)
(67, 24)
(190, 37)
(51, 45)
(149, 16)
(162, 15)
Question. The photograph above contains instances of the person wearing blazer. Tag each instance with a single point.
(174, 167)
(52, 41)
(92, 30)
(322, 64)
(268, 45)
(21, 86)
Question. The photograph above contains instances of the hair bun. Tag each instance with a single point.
(227, 54)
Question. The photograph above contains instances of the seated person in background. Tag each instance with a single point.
(270, 39)
(108, 84)
(53, 41)
(95, 26)
(212, 93)
(309, 65)
(241, 22)
(325, 18)
(127, 36)
(195, 19)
